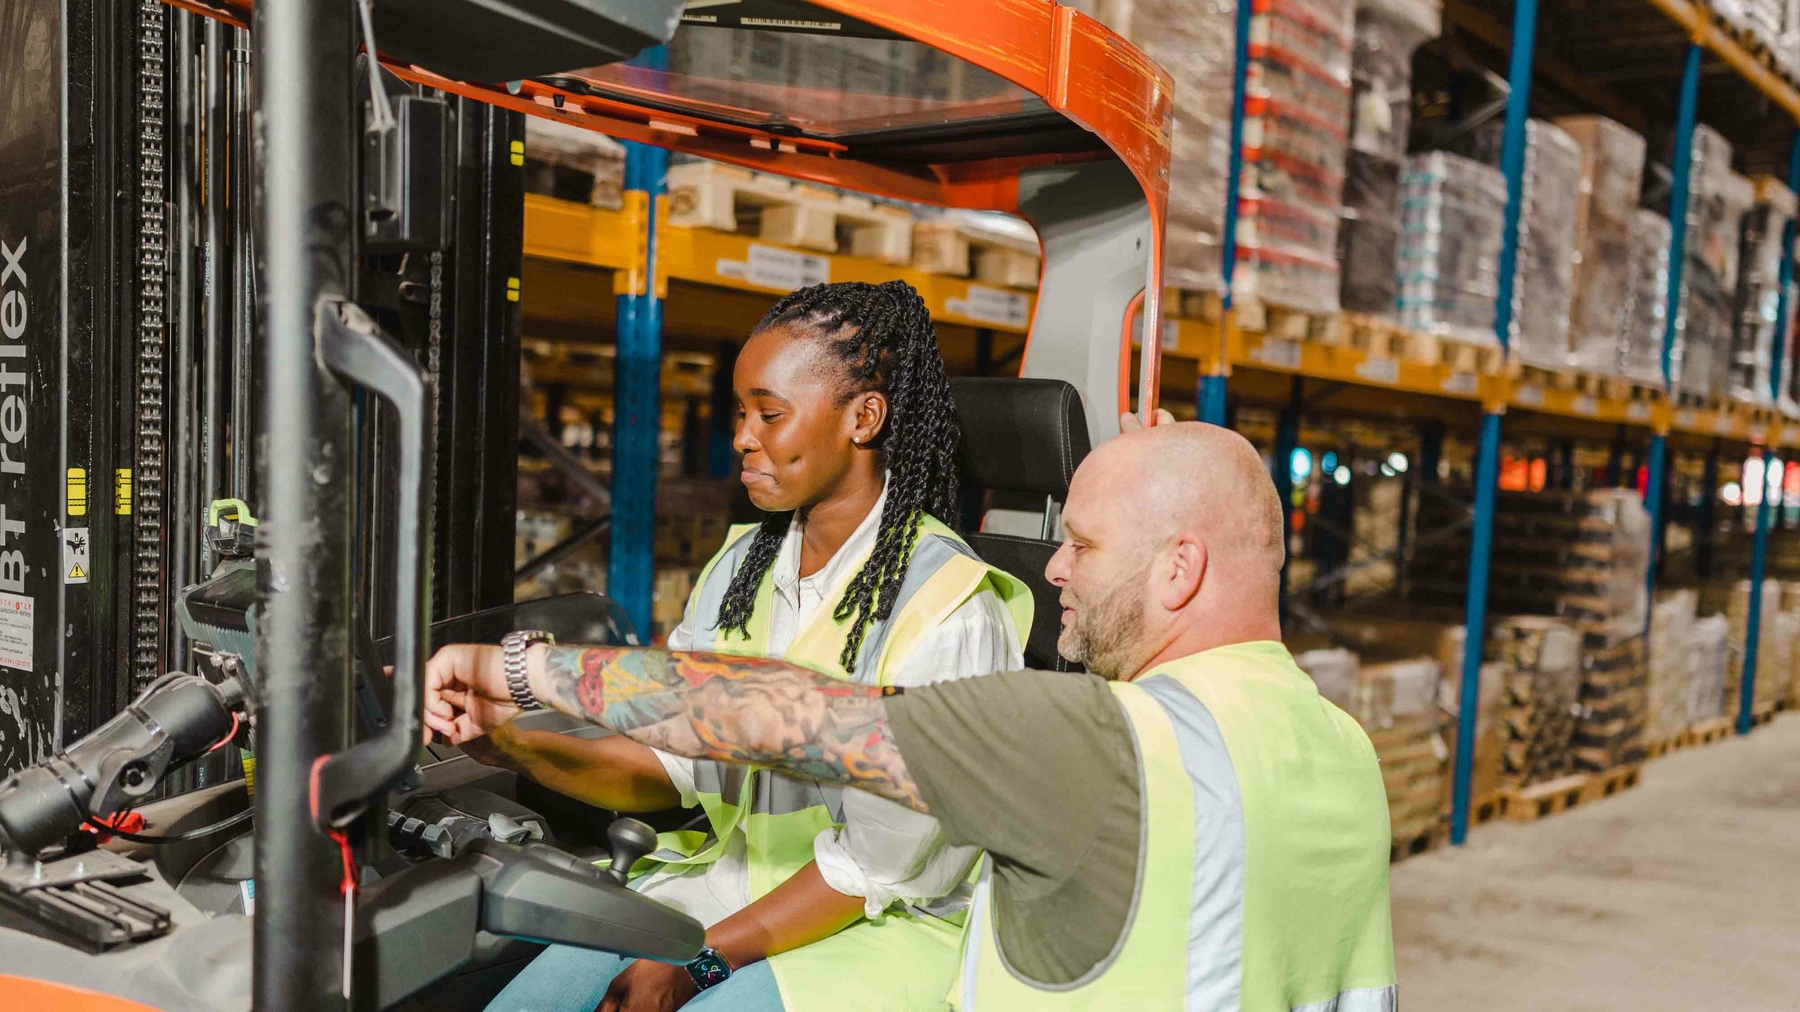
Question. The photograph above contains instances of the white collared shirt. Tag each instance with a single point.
(886, 852)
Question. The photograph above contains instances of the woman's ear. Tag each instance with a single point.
(870, 418)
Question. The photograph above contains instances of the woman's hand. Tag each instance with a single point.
(649, 986)
(465, 692)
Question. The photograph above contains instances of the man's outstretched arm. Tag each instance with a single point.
(701, 705)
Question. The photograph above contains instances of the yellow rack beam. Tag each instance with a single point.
(1709, 36)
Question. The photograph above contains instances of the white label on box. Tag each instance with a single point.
(75, 555)
(1278, 353)
(785, 269)
(1686, 418)
(1529, 396)
(736, 270)
(1585, 405)
(992, 305)
(15, 631)
(1460, 383)
(1722, 424)
(1379, 370)
(1637, 411)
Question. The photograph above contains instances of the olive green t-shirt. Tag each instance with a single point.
(1040, 769)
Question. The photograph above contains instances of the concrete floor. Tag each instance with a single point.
(1680, 894)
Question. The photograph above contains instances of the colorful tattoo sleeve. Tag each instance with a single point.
(737, 709)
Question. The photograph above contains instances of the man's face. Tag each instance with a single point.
(1102, 571)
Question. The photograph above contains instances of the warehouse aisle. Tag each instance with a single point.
(1681, 894)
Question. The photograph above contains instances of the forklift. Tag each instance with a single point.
(260, 283)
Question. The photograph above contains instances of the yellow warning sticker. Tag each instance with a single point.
(122, 491)
(512, 289)
(77, 491)
(518, 152)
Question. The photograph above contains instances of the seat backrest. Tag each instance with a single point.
(1022, 437)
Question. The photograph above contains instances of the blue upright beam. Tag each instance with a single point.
(1784, 278)
(1211, 394)
(1759, 568)
(1487, 469)
(637, 408)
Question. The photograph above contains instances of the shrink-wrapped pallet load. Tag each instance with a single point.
(1671, 632)
(1612, 173)
(1195, 43)
(1484, 768)
(1614, 705)
(1712, 685)
(1758, 292)
(1453, 212)
(1538, 703)
(1644, 316)
(1387, 33)
(1774, 644)
(1717, 201)
(1397, 704)
(1333, 670)
(573, 163)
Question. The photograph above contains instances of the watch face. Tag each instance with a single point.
(709, 968)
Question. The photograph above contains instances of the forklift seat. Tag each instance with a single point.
(1021, 442)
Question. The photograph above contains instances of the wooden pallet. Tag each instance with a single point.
(1289, 324)
(1538, 801)
(1759, 46)
(1408, 843)
(1708, 732)
(1485, 810)
(780, 211)
(1194, 304)
(1761, 714)
(960, 247)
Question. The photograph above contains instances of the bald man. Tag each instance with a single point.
(1196, 828)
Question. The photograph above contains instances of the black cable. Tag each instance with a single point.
(192, 834)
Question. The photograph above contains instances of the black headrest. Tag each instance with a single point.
(1026, 558)
(1019, 435)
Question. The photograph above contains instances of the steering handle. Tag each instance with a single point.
(354, 348)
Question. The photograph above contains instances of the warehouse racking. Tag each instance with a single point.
(1228, 357)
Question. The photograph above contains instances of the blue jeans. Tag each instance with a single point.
(567, 979)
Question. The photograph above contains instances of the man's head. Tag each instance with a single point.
(1173, 545)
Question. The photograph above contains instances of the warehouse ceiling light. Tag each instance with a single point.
(1342, 475)
(1398, 462)
(1300, 463)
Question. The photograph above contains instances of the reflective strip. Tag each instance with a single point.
(930, 552)
(724, 779)
(780, 794)
(1216, 918)
(1363, 999)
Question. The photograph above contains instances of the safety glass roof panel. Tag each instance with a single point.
(885, 98)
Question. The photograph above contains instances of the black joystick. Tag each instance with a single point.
(630, 840)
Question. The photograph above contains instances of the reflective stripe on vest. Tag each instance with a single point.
(1265, 827)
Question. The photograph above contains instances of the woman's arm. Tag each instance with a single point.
(797, 912)
(611, 772)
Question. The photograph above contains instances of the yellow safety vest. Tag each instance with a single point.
(901, 960)
(1263, 880)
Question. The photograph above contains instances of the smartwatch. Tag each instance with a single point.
(709, 969)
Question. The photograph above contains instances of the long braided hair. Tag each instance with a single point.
(882, 335)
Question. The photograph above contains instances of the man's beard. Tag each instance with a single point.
(1107, 632)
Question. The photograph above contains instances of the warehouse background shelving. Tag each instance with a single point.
(1406, 417)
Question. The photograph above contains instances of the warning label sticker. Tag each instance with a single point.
(75, 555)
(15, 631)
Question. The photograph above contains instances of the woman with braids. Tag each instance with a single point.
(814, 897)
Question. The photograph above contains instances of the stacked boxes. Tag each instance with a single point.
(1671, 632)
(1644, 315)
(1194, 42)
(1549, 194)
(1333, 670)
(1453, 211)
(1538, 699)
(1717, 201)
(1709, 661)
(1484, 767)
(1296, 125)
(1614, 704)
(1387, 33)
(573, 163)
(1762, 20)
(1774, 644)
(1397, 704)
(1758, 291)
(1612, 171)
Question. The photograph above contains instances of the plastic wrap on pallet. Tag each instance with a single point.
(1642, 321)
(1538, 702)
(1671, 631)
(1759, 265)
(572, 162)
(1484, 773)
(1709, 661)
(1387, 693)
(1333, 670)
(1195, 43)
(1774, 643)
(1717, 201)
(1612, 173)
(1549, 195)
(1387, 33)
(1452, 216)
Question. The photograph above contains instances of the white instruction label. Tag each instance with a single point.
(786, 269)
(1531, 397)
(1686, 419)
(1722, 424)
(1278, 353)
(15, 631)
(75, 555)
(1585, 405)
(1637, 411)
(1460, 383)
(994, 305)
(1379, 370)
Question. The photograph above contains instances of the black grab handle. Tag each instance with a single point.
(353, 347)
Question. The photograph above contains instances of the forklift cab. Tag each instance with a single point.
(1055, 119)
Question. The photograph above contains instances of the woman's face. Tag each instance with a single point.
(799, 442)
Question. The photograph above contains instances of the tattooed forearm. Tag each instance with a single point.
(738, 709)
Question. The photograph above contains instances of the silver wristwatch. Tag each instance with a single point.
(512, 655)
